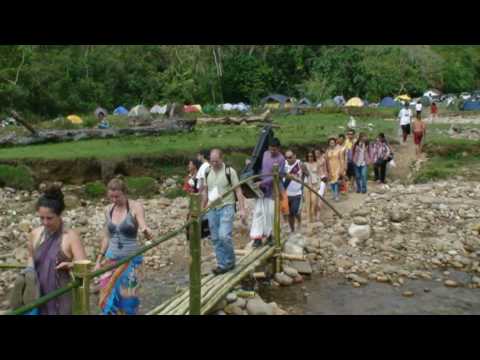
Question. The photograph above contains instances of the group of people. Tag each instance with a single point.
(53, 248)
(344, 165)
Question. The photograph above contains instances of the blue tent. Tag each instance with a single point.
(120, 111)
(471, 106)
(388, 102)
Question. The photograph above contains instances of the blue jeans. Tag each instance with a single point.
(335, 190)
(361, 176)
(221, 229)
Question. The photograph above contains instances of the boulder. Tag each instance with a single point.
(283, 279)
(303, 267)
(257, 306)
(361, 232)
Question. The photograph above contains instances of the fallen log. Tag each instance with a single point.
(59, 136)
(231, 120)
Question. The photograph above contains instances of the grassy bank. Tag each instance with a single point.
(294, 130)
(450, 158)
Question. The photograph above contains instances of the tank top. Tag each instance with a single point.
(123, 237)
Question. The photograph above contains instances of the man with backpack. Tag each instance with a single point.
(219, 179)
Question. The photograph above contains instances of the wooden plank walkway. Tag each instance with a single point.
(214, 287)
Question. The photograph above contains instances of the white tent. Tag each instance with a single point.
(157, 109)
(139, 110)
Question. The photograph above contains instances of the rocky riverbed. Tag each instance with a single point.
(395, 237)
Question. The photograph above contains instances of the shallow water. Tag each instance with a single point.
(336, 296)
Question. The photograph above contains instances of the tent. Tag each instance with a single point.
(305, 102)
(355, 102)
(471, 106)
(74, 119)
(339, 100)
(403, 98)
(139, 110)
(192, 109)
(330, 103)
(157, 109)
(433, 93)
(277, 102)
(120, 111)
(389, 102)
(101, 111)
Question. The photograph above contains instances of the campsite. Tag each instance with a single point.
(410, 246)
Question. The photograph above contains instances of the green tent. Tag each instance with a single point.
(329, 103)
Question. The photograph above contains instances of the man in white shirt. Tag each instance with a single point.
(204, 158)
(297, 169)
(405, 117)
(419, 108)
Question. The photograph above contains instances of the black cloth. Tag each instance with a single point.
(381, 171)
(407, 129)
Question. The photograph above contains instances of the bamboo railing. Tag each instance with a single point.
(80, 285)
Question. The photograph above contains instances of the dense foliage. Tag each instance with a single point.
(52, 80)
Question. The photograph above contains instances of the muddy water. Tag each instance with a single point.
(335, 296)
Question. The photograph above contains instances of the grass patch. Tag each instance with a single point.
(175, 193)
(16, 177)
(450, 158)
(141, 186)
(95, 190)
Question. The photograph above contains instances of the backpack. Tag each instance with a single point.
(228, 175)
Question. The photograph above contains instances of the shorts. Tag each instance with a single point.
(417, 138)
(407, 129)
(351, 170)
(294, 203)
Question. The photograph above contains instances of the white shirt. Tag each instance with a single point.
(419, 107)
(201, 174)
(294, 188)
(405, 117)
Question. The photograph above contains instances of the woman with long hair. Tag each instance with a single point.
(125, 219)
(336, 166)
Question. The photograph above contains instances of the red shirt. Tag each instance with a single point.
(434, 109)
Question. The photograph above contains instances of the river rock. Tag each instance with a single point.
(360, 232)
(397, 216)
(283, 279)
(231, 298)
(360, 220)
(71, 201)
(257, 306)
(358, 279)
(292, 249)
(303, 267)
(290, 271)
(276, 310)
(241, 303)
(451, 283)
(408, 294)
(232, 309)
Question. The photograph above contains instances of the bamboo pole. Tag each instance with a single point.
(276, 222)
(12, 266)
(81, 295)
(43, 300)
(293, 257)
(24, 123)
(195, 256)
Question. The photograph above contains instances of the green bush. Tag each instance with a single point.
(175, 193)
(16, 177)
(141, 186)
(95, 190)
